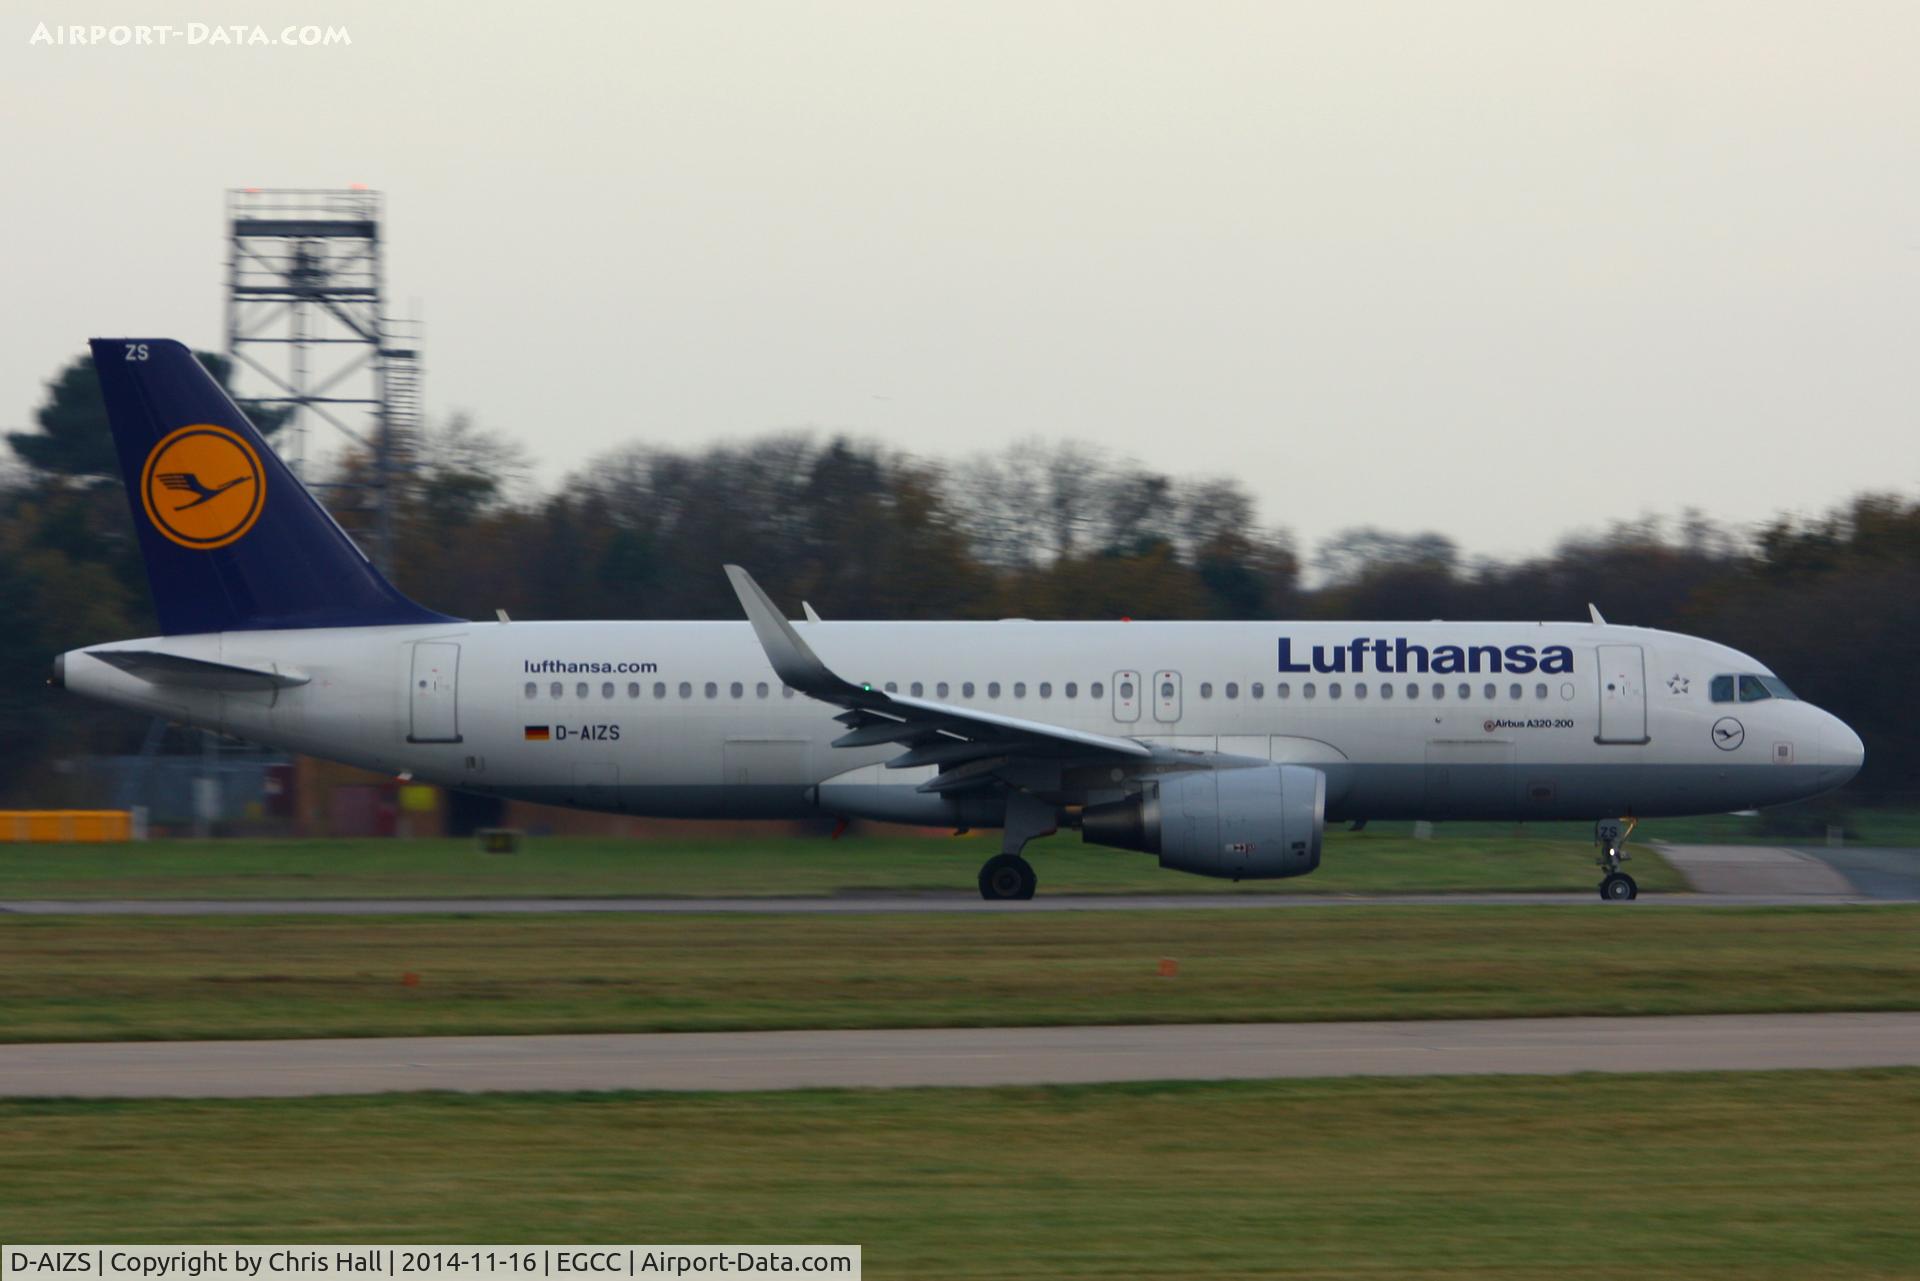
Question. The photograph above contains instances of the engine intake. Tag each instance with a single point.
(1241, 824)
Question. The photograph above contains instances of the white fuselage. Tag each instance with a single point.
(688, 719)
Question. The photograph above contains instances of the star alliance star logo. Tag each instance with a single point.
(1678, 684)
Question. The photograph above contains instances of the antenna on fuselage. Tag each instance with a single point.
(1594, 611)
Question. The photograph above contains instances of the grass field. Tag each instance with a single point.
(1354, 863)
(1803, 824)
(107, 978)
(1760, 1175)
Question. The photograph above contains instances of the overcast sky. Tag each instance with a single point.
(1497, 270)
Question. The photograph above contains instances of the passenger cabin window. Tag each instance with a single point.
(1513, 691)
(1019, 689)
(1257, 690)
(1071, 690)
(993, 689)
(713, 689)
(1359, 689)
(633, 689)
(916, 689)
(966, 689)
(1206, 690)
(556, 689)
(533, 689)
(686, 689)
(760, 690)
(659, 689)
(736, 689)
(1283, 690)
(1233, 690)
(1046, 689)
(1097, 690)
(1386, 689)
(1333, 689)
(580, 690)
(940, 690)
(606, 689)
(1540, 691)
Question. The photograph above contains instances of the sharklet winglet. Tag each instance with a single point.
(792, 658)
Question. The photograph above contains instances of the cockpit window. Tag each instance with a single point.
(1751, 688)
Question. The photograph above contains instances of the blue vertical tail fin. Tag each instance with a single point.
(232, 540)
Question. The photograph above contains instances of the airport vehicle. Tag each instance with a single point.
(1222, 748)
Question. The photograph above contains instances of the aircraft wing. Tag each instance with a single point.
(965, 742)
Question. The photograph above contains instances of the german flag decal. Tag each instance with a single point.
(538, 733)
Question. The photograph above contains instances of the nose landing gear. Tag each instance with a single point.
(1611, 836)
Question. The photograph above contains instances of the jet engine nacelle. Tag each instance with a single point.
(1255, 823)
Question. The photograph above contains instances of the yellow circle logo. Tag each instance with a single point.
(203, 486)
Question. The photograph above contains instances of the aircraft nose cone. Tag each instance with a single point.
(1845, 751)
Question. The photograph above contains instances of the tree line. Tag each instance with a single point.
(862, 531)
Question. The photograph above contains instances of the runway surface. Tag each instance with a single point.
(959, 1056)
(1721, 876)
(879, 903)
(1756, 869)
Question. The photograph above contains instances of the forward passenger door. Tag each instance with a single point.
(1623, 694)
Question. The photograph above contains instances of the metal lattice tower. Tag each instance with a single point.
(306, 316)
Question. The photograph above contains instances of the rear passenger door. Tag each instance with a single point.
(434, 701)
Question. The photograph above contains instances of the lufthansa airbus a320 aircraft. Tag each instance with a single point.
(1221, 748)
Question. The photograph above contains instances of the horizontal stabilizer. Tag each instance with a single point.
(175, 669)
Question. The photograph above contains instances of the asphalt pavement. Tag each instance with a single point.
(1720, 876)
(959, 1056)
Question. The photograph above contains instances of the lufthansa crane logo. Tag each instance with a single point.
(203, 486)
(1728, 734)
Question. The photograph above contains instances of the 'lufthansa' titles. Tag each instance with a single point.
(1399, 655)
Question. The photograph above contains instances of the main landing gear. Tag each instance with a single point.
(1006, 875)
(1611, 836)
